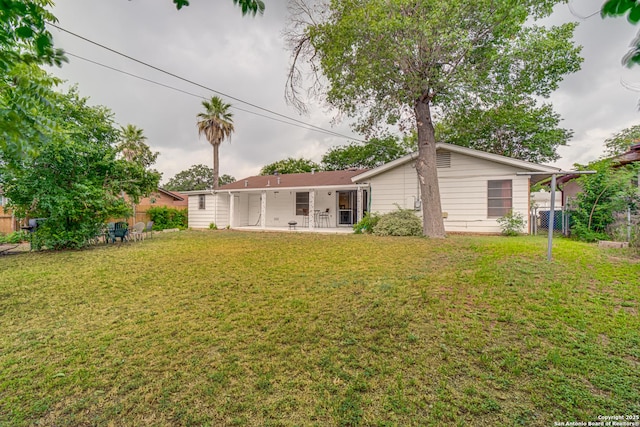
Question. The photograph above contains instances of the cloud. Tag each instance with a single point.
(212, 44)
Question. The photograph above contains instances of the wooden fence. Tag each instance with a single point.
(7, 223)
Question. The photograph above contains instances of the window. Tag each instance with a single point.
(302, 203)
(499, 200)
(201, 201)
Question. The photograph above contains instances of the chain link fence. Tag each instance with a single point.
(540, 220)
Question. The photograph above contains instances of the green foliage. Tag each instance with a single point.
(216, 124)
(603, 194)
(213, 226)
(290, 165)
(133, 148)
(75, 180)
(512, 223)
(197, 177)
(621, 141)
(373, 153)
(403, 222)
(367, 224)
(25, 90)
(248, 6)
(521, 130)
(14, 237)
(164, 217)
(615, 8)
(389, 62)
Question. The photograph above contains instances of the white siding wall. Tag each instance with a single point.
(216, 210)
(463, 192)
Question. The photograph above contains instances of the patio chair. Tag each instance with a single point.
(137, 232)
(122, 231)
(149, 228)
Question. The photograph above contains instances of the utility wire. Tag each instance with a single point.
(328, 132)
(195, 83)
(584, 18)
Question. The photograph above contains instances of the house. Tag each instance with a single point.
(159, 198)
(570, 187)
(476, 188)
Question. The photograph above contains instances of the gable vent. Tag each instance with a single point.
(443, 159)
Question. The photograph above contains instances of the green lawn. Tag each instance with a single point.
(229, 328)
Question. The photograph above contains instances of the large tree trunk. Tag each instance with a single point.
(216, 166)
(432, 223)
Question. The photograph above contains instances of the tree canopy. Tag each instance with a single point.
(216, 124)
(133, 148)
(373, 153)
(248, 6)
(621, 141)
(522, 130)
(290, 165)
(391, 62)
(197, 177)
(75, 181)
(630, 9)
(25, 89)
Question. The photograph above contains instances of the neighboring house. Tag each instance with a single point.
(570, 187)
(476, 188)
(161, 197)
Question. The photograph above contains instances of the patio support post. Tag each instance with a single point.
(312, 209)
(359, 204)
(232, 210)
(263, 209)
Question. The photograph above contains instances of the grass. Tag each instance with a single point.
(231, 328)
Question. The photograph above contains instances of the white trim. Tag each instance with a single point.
(461, 150)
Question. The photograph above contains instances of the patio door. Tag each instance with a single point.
(347, 207)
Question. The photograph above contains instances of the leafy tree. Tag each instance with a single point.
(133, 148)
(630, 8)
(373, 153)
(248, 6)
(75, 181)
(197, 177)
(610, 190)
(522, 130)
(290, 165)
(216, 124)
(390, 62)
(620, 142)
(25, 89)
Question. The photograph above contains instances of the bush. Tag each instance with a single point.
(511, 224)
(403, 222)
(15, 237)
(164, 217)
(213, 226)
(367, 223)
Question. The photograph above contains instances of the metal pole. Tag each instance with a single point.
(552, 214)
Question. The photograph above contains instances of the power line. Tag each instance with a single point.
(328, 132)
(198, 84)
(584, 18)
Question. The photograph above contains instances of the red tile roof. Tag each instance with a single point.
(317, 179)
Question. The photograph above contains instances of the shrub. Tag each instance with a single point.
(213, 226)
(367, 223)
(15, 237)
(164, 217)
(403, 222)
(511, 224)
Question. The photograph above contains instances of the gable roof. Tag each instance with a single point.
(295, 180)
(173, 195)
(521, 164)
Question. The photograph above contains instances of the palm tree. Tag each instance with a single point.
(216, 123)
(133, 148)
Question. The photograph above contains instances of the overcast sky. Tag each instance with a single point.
(210, 43)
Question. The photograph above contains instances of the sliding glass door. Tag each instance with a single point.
(347, 207)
